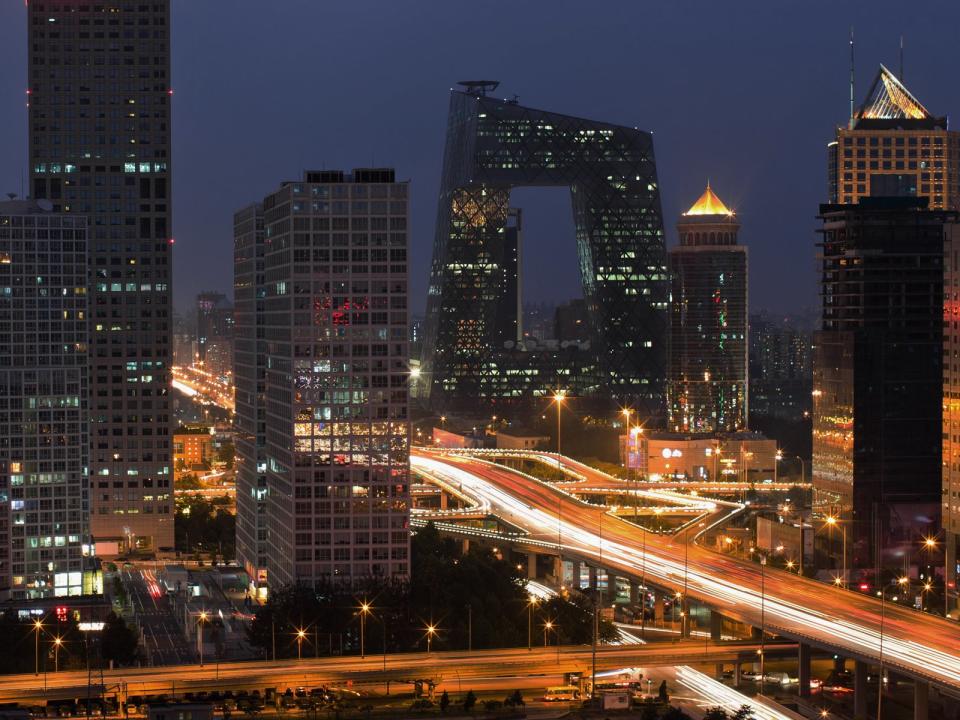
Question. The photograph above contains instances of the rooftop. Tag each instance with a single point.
(889, 99)
(708, 204)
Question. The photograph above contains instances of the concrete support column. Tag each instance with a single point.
(658, 608)
(716, 626)
(532, 566)
(803, 672)
(465, 546)
(860, 690)
(634, 593)
(558, 569)
(737, 677)
(921, 699)
(718, 671)
(592, 584)
(444, 500)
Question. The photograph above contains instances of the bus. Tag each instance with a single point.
(562, 693)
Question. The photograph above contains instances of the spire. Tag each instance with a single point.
(889, 99)
(708, 204)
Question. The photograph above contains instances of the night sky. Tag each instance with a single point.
(745, 93)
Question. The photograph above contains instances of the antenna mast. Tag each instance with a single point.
(901, 58)
(851, 76)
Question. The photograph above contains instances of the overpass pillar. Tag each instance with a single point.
(634, 593)
(465, 546)
(444, 500)
(803, 673)
(593, 577)
(532, 566)
(921, 698)
(860, 690)
(658, 608)
(558, 569)
(716, 626)
(737, 673)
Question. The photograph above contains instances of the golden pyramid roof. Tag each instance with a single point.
(708, 204)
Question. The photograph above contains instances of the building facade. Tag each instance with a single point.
(336, 327)
(44, 411)
(493, 146)
(708, 349)
(781, 367)
(877, 377)
(893, 147)
(743, 457)
(950, 504)
(99, 118)
(249, 370)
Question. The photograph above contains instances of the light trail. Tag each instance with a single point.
(803, 609)
(717, 693)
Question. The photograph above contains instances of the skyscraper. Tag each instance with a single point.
(215, 329)
(44, 442)
(877, 377)
(99, 84)
(893, 147)
(707, 357)
(337, 432)
(781, 369)
(493, 146)
(249, 376)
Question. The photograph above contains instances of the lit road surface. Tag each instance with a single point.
(923, 645)
(516, 662)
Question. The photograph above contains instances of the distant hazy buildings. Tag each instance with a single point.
(44, 410)
(99, 96)
(877, 375)
(335, 395)
(215, 333)
(707, 357)
(781, 367)
(893, 147)
(494, 145)
(249, 377)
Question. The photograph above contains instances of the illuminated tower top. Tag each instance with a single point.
(708, 204)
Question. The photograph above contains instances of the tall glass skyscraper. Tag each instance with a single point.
(707, 370)
(493, 146)
(99, 92)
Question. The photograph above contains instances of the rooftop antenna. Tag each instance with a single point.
(851, 77)
(901, 58)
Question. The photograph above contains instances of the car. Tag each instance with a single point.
(752, 675)
(816, 684)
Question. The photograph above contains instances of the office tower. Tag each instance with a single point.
(893, 146)
(100, 90)
(215, 330)
(571, 324)
(877, 378)
(44, 441)
(781, 369)
(707, 357)
(336, 328)
(951, 414)
(493, 146)
(249, 376)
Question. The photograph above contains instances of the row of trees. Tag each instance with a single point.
(457, 599)
(62, 645)
(205, 524)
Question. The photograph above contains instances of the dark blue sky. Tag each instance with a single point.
(745, 93)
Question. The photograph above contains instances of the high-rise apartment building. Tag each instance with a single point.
(215, 331)
(707, 356)
(336, 327)
(877, 378)
(44, 415)
(893, 147)
(249, 376)
(950, 505)
(494, 145)
(781, 367)
(99, 92)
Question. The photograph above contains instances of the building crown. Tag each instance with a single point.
(889, 99)
(708, 204)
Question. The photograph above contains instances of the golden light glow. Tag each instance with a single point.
(709, 204)
(301, 634)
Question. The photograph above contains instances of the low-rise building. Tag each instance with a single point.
(739, 457)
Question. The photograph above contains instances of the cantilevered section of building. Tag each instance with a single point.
(893, 146)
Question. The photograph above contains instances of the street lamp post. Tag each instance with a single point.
(530, 605)
(558, 397)
(546, 628)
(763, 607)
(37, 626)
(431, 631)
(364, 610)
(626, 424)
(57, 642)
(832, 521)
(469, 628)
(301, 634)
(201, 619)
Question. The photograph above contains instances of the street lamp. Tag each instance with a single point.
(57, 642)
(201, 619)
(431, 630)
(832, 521)
(364, 611)
(531, 603)
(547, 627)
(558, 397)
(301, 634)
(37, 627)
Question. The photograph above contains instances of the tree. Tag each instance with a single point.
(716, 713)
(573, 618)
(662, 692)
(515, 699)
(675, 713)
(744, 712)
(117, 641)
(444, 702)
(469, 701)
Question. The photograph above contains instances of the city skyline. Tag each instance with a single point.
(701, 128)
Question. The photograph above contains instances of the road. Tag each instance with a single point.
(859, 626)
(479, 664)
(163, 637)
